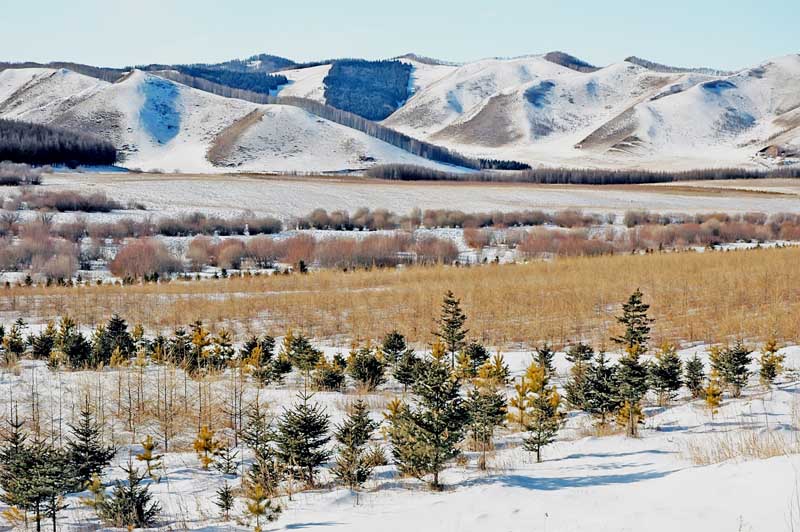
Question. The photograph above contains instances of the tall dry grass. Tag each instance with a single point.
(711, 296)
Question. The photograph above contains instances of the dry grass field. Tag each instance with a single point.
(709, 297)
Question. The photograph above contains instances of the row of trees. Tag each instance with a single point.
(23, 142)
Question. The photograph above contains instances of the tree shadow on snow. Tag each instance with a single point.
(558, 483)
(577, 456)
(299, 526)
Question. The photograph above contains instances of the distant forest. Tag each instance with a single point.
(573, 176)
(250, 81)
(371, 89)
(22, 142)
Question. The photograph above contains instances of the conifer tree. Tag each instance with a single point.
(226, 460)
(405, 372)
(713, 393)
(771, 363)
(731, 365)
(130, 503)
(302, 355)
(85, 449)
(477, 355)
(519, 404)
(13, 341)
(259, 507)
(301, 437)
(221, 352)
(543, 416)
(425, 436)
(329, 375)
(366, 368)
(179, 347)
(198, 354)
(577, 387)
(257, 433)
(495, 370)
(486, 408)
(352, 467)
(206, 446)
(151, 459)
(225, 500)
(543, 356)
(665, 374)
(14, 457)
(602, 388)
(694, 376)
(451, 329)
(73, 344)
(393, 346)
(98, 492)
(636, 322)
(42, 344)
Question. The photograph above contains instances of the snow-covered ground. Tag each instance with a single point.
(585, 482)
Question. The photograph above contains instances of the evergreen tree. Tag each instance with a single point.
(636, 322)
(42, 344)
(352, 467)
(206, 446)
(713, 393)
(198, 354)
(329, 376)
(405, 372)
(259, 507)
(393, 346)
(301, 354)
(179, 347)
(731, 365)
(631, 388)
(14, 341)
(73, 344)
(486, 408)
(424, 437)
(543, 356)
(130, 503)
(577, 387)
(225, 500)
(151, 459)
(602, 389)
(222, 351)
(85, 449)
(543, 419)
(476, 355)
(366, 368)
(771, 363)
(226, 460)
(665, 374)
(301, 436)
(119, 337)
(694, 376)
(14, 458)
(257, 432)
(451, 326)
(495, 370)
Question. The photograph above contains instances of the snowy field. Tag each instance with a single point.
(287, 197)
(585, 483)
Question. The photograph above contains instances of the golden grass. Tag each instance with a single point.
(741, 444)
(711, 296)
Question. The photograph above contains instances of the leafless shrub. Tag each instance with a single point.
(432, 250)
(142, 257)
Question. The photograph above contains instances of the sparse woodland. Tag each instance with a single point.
(96, 395)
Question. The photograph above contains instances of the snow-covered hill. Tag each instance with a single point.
(160, 124)
(539, 109)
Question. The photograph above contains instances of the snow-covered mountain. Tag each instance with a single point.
(550, 109)
(160, 124)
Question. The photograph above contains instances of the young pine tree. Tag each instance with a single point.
(694, 376)
(206, 446)
(86, 450)
(226, 460)
(486, 410)
(425, 436)
(602, 398)
(366, 368)
(713, 393)
(665, 374)
(577, 387)
(259, 506)
(130, 503)
(301, 437)
(224, 501)
(405, 371)
(393, 346)
(353, 467)
(450, 324)
(544, 418)
(636, 322)
(151, 459)
(731, 365)
(771, 363)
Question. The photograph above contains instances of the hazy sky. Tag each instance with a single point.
(716, 33)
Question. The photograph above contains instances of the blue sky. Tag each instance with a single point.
(716, 33)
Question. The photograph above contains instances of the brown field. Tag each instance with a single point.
(712, 296)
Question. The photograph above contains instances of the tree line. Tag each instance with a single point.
(36, 144)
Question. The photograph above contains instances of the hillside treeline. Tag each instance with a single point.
(250, 81)
(574, 176)
(371, 89)
(23, 142)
